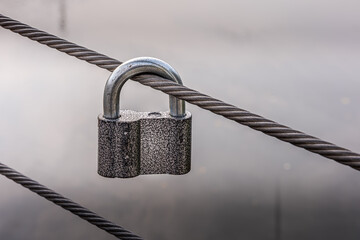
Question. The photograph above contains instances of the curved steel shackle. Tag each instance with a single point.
(130, 69)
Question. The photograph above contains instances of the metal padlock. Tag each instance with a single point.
(133, 143)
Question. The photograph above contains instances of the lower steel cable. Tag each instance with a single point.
(67, 204)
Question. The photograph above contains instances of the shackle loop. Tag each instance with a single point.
(132, 68)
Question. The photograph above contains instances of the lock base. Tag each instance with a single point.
(144, 143)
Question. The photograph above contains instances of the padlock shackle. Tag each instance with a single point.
(132, 68)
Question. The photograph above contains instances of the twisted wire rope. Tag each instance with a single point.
(259, 123)
(67, 204)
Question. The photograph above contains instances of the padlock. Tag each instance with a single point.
(131, 143)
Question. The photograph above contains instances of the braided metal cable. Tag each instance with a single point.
(271, 128)
(67, 204)
(59, 44)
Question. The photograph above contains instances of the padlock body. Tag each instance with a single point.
(144, 143)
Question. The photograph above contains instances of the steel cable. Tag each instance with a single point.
(67, 204)
(271, 128)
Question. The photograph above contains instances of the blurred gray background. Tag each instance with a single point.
(296, 62)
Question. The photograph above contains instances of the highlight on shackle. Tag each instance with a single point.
(132, 68)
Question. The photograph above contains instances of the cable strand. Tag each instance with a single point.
(256, 122)
(67, 204)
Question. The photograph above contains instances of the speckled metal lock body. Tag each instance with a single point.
(144, 143)
(133, 143)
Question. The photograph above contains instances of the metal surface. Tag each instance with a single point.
(132, 68)
(67, 204)
(256, 122)
(144, 143)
